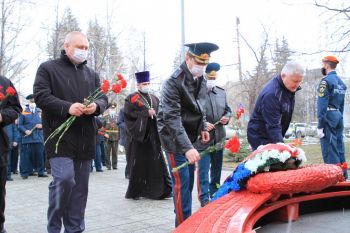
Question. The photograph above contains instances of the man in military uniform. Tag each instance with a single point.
(31, 129)
(181, 119)
(112, 137)
(217, 113)
(330, 108)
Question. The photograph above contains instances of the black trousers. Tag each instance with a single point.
(3, 175)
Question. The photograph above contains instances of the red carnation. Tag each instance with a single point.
(2, 96)
(11, 91)
(238, 115)
(116, 88)
(134, 98)
(120, 77)
(123, 83)
(241, 110)
(105, 86)
(140, 104)
(233, 145)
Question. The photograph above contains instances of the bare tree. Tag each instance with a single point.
(337, 14)
(67, 24)
(253, 82)
(11, 64)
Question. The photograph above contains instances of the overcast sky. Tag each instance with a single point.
(299, 21)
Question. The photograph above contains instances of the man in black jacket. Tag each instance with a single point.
(10, 109)
(181, 120)
(59, 89)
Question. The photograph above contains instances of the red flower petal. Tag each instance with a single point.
(120, 77)
(116, 88)
(134, 98)
(123, 83)
(140, 103)
(2, 96)
(11, 91)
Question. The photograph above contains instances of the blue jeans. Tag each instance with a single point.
(182, 186)
(68, 194)
(32, 157)
(205, 187)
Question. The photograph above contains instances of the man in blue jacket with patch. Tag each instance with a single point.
(30, 127)
(330, 108)
(274, 107)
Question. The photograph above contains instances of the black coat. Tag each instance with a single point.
(59, 84)
(10, 109)
(181, 114)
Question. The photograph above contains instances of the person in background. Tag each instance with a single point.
(12, 134)
(10, 108)
(181, 120)
(274, 107)
(148, 175)
(330, 109)
(32, 145)
(16, 145)
(217, 114)
(99, 138)
(112, 137)
(121, 125)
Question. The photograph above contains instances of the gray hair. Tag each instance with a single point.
(292, 68)
(69, 37)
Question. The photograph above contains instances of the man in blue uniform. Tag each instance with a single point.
(330, 108)
(181, 119)
(30, 126)
(217, 114)
(274, 107)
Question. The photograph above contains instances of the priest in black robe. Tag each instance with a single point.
(148, 174)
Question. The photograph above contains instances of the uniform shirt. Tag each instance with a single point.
(216, 107)
(27, 121)
(331, 95)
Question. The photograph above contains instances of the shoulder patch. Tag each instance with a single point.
(177, 73)
(322, 88)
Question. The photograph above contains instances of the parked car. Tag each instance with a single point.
(297, 130)
(290, 131)
(300, 130)
(311, 130)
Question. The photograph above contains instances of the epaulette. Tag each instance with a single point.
(177, 73)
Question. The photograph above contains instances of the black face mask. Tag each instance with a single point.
(323, 71)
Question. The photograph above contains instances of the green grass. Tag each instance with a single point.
(312, 152)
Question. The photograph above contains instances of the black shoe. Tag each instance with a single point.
(115, 168)
(24, 178)
(99, 170)
(15, 172)
(42, 175)
(136, 198)
(204, 203)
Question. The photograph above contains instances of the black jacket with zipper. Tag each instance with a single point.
(58, 84)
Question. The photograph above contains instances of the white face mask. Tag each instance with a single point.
(80, 55)
(197, 70)
(211, 83)
(32, 105)
(145, 89)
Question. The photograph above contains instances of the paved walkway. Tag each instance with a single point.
(107, 210)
